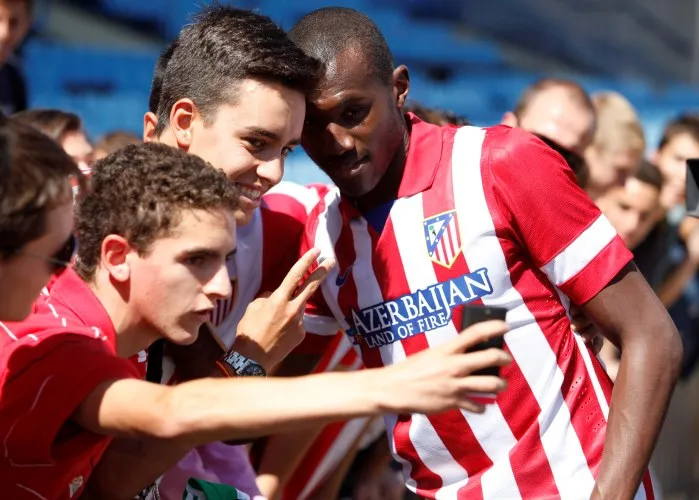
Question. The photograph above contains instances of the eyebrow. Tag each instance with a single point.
(271, 135)
(231, 253)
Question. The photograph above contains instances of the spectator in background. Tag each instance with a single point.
(436, 116)
(66, 129)
(680, 141)
(557, 109)
(36, 216)
(670, 252)
(618, 144)
(114, 141)
(631, 209)
(15, 21)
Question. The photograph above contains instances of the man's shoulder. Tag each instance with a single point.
(46, 329)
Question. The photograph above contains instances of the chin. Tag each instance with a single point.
(243, 218)
(184, 337)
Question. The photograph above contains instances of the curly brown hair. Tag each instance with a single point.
(139, 193)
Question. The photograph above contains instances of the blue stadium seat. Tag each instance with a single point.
(100, 113)
(77, 68)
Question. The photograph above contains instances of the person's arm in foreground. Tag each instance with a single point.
(633, 319)
(207, 410)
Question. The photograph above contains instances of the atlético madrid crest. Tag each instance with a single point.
(443, 238)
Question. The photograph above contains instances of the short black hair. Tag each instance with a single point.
(326, 32)
(687, 123)
(224, 46)
(649, 174)
(158, 76)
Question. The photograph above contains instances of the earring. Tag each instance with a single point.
(186, 134)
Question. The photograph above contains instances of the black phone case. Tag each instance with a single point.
(478, 314)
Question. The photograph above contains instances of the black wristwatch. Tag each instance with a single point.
(242, 366)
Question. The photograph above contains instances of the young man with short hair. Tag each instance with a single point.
(431, 219)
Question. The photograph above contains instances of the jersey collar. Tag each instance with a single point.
(73, 293)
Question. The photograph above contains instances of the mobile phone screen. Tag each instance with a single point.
(477, 314)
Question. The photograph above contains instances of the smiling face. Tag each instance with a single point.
(354, 123)
(249, 139)
(176, 283)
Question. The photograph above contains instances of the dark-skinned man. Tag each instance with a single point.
(431, 219)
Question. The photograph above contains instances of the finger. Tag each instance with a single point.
(296, 274)
(468, 405)
(471, 362)
(487, 384)
(312, 283)
(480, 332)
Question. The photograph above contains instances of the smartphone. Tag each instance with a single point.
(477, 314)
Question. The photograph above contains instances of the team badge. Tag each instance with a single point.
(443, 238)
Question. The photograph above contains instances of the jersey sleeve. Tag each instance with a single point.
(43, 385)
(285, 213)
(560, 228)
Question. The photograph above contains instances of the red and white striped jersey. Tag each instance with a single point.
(483, 216)
(336, 440)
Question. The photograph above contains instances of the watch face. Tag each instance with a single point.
(252, 370)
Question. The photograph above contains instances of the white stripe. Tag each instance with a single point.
(390, 423)
(8, 331)
(580, 252)
(326, 235)
(585, 353)
(525, 340)
(53, 309)
(368, 289)
(320, 325)
(343, 347)
(490, 429)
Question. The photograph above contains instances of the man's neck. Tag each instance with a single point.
(131, 334)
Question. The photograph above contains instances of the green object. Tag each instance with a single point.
(198, 489)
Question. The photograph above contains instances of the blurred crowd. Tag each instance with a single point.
(122, 194)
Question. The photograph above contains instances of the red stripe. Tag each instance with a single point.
(648, 485)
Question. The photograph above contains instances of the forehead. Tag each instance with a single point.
(268, 105)
(684, 142)
(346, 75)
(638, 194)
(214, 228)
